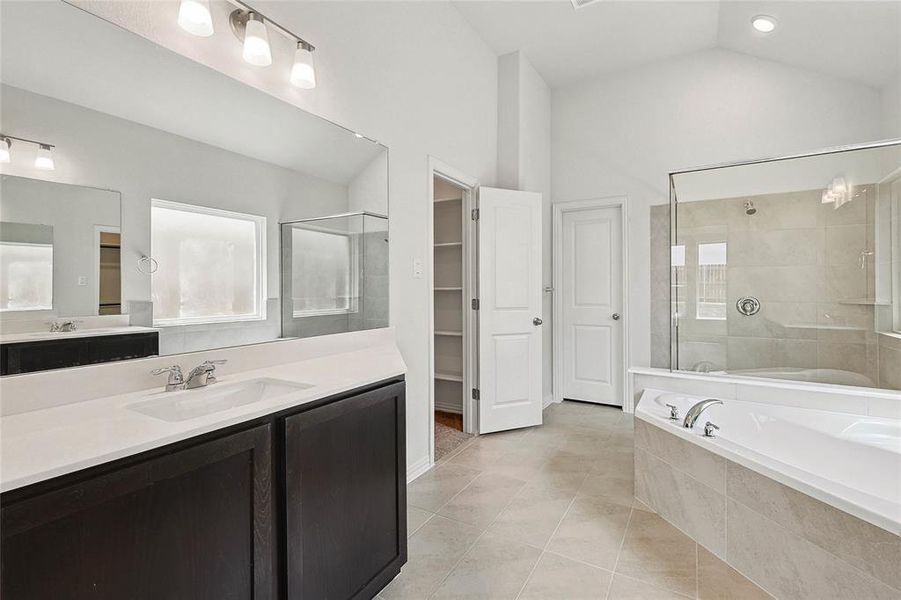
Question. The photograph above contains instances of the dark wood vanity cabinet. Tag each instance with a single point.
(345, 493)
(42, 355)
(307, 504)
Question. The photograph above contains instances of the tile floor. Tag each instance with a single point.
(548, 513)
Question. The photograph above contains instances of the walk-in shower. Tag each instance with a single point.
(786, 268)
(334, 274)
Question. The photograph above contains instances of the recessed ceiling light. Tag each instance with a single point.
(764, 23)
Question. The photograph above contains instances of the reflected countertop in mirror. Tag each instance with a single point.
(198, 172)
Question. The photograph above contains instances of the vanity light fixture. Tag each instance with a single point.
(256, 41)
(194, 16)
(44, 159)
(303, 75)
(764, 23)
(252, 29)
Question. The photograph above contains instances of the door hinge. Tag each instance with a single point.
(475, 304)
(475, 214)
(475, 393)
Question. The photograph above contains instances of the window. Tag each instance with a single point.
(712, 281)
(27, 282)
(212, 265)
(677, 280)
(323, 266)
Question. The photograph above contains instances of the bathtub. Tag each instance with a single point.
(833, 376)
(850, 462)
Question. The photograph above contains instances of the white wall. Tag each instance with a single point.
(891, 108)
(524, 163)
(622, 133)
(142, 163)
(384, 69)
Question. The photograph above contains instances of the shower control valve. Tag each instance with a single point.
(748, 306)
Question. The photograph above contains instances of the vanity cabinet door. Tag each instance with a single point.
(193, 524)
(345, 479)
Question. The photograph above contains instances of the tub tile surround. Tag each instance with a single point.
(792, 545)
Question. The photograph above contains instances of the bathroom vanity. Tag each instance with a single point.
(29, 352)
(295, 492)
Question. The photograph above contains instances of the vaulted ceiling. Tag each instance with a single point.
(851, 39)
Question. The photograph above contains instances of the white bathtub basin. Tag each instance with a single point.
(852, 462)
(190, 404)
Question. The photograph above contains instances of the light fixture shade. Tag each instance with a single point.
(44, 159)
(303, 73)
(194, 17)
(4, 150)
(256, 42)
(764, 23)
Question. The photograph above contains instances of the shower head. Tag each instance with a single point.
(749, 208)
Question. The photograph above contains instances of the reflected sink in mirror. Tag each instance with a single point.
(190, 404)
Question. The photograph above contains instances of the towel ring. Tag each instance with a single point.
(151, 265)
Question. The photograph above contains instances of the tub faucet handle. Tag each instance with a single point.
(709, 428)
(673, 412)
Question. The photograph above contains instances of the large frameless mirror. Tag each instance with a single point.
(787, 268)
(147, 189)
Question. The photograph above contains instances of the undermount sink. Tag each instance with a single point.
(190, 404)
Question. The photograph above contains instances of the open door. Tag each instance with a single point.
(509, 277)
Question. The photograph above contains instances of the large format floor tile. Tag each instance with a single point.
(548, 513)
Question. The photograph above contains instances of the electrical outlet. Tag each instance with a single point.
(418, 268)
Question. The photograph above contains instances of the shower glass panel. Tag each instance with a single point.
(334, 274)
(787, 268)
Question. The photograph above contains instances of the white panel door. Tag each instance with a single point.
(592, 305)
(509, 261)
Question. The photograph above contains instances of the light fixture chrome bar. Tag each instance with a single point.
(26, 140)
(280, 28)
(821, 152)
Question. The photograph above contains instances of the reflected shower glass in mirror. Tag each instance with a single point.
(204, 169)
(335, 274)
(785, 269)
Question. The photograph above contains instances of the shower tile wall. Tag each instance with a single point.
(800, 258)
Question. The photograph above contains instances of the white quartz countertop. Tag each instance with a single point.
(42, 444)
(37, 336)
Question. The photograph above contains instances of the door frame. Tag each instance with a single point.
(470, 184)
(559, 210)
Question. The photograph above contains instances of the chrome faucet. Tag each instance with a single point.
(200, 376)
(695, 411)
(64, 326)
(203, 375)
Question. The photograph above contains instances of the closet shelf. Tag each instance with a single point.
(449, 245)
(445, 332)
(458, 377)
(437, 200)
(448, 289)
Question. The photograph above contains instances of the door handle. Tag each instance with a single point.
(616, 316)
(537, 321)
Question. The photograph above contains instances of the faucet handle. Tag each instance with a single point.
(211, 369)
(709, 429)
(673, 412)
(176, 378)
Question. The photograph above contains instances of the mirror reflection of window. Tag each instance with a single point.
(27, 276)
(711, 281)
(324, 273)
(211, 265)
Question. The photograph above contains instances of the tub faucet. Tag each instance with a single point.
(695, 411)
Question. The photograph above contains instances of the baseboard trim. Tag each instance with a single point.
(418, 468)
(448, 407)
(547, 401)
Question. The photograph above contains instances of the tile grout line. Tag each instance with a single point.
(620, 551)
